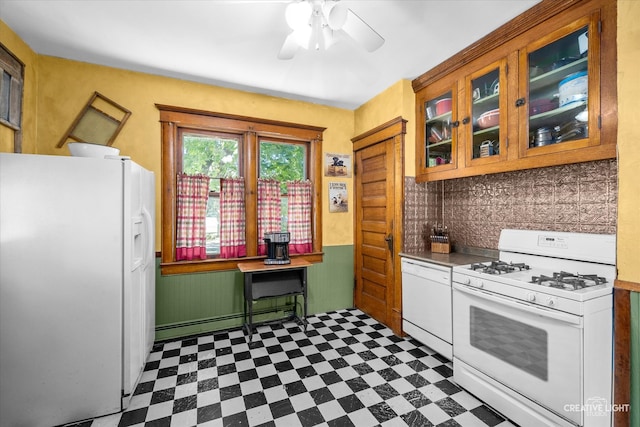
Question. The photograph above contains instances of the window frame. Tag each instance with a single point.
(11, 65)
(173, 120)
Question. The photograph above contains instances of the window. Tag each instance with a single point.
(225, 146)
(11, 84)
(283, 162)
(216, 155)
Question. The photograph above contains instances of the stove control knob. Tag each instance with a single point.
(466, 280)
(551, 301)
(531, 297)
(480, 284)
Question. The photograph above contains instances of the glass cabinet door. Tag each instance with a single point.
(557, 103)
(438, 131)
(488, 103)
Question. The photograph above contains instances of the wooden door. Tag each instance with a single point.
(378, 225)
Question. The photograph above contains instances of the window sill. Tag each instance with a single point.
(209, 265)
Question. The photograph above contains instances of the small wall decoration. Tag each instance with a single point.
(337, 165)
(338, 199)
(99, 122)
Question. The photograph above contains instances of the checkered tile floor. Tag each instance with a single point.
(347, 370)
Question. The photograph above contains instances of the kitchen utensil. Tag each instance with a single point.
(486, 148)
(491, 89)
(573, 88)
(542, 105)
(571, 130)
(431, 112)
(489, 119)
(583, 43)
(543, 136)
(436, 135)
(583, 116)
(443, 106)
(564, 61)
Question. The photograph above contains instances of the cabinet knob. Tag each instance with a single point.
(455, 124)
(520, 102)
(466, 120)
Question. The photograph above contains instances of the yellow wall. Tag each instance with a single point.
(65, 86)
(57, 89)
(30, 60)
(628, 140)
(397, 100)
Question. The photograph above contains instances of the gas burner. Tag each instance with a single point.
(568, 281)
(499, 267)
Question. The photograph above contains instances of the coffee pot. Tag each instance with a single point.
(277, 248)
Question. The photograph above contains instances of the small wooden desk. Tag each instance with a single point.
(269, 281)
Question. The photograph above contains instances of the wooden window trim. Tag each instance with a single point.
(173, 119)
(10, 64)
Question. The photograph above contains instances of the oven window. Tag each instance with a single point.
(513, 342)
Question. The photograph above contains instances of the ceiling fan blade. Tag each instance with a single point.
(361, 32)
(336, 14)
(289, 47)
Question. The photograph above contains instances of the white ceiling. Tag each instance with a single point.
(234, 43)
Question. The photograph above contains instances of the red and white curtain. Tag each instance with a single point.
(269, 211)
(193, 194)
(300, 202)
(232, 218)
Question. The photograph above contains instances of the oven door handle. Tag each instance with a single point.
(519, 305)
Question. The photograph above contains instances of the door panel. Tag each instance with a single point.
(374, 210)
(378, 207)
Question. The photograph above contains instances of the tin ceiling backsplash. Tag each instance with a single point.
(577, 197)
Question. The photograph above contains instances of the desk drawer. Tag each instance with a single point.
(277, 283)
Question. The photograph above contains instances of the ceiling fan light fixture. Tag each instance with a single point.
(327, 37)
(314, 22)
(298, 14)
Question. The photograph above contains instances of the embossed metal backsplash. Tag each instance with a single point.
(578, 197)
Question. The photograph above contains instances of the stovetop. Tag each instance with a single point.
(569, 281)
(530, 278)
(498, 267)
(574, 266)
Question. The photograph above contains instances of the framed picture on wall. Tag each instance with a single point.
(338, 165)
(338, 197)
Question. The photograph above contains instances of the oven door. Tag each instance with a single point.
(530, 349)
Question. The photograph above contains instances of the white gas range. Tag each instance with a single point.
(532, 331)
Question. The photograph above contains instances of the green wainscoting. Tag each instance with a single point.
(191, 304)
(635, 359)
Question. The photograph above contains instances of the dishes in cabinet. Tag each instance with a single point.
(574, 129)
(573, 88)
(489, 119)
(435, 135)
(443, 106)
(542, 105)
(543, 136)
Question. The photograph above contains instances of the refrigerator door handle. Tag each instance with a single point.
(148, 222)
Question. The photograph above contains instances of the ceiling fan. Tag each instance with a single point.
(318, 24)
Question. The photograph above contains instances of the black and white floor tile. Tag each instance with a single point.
(347, 370)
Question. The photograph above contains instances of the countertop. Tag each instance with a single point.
(461, 257)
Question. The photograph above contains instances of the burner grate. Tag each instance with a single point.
(499, 267)
(569, 281)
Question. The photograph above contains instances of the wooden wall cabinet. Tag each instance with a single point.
(539, 91)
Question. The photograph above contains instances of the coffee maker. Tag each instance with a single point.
(277, 248)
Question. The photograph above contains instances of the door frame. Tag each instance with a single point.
(395, 129)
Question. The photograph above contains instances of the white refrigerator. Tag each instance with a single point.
(77, 286)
